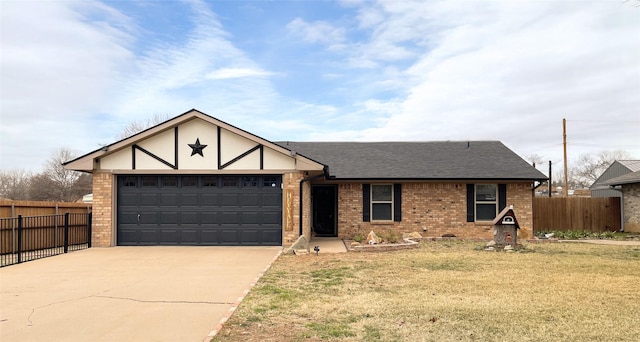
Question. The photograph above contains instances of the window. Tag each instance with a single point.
(484, 201)
(169, 182)
(381, 202)
(486, 204)
(249, 182)
(189, 181)
(209, 181)
(149, 181)
(130, 182)
(230, 181)
(270, 181)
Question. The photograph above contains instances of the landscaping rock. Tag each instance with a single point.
(414, 235)
(491, 243)
(300, 245)
(372, 238)
(355, 243)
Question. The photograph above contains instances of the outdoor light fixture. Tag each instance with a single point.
(316, 249)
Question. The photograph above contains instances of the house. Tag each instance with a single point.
(195, 180)
(600, 188)
(629, 186)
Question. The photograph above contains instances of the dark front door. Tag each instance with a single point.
(325, 208)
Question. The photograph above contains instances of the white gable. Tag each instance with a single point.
(199, 145)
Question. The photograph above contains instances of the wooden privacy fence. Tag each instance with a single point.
(576, 213)
(9, 208)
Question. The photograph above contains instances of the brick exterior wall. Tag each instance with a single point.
(631, 195)
(103, 210)
(432, 209)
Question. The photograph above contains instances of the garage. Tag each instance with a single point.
(199, 210)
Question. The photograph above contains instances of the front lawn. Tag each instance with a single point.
(447, 291)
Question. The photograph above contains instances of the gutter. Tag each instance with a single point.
(325, 174)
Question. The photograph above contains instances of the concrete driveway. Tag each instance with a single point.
(127, 293)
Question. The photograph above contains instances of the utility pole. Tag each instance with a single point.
(564, 144)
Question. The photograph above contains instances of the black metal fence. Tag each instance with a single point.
(34, 237)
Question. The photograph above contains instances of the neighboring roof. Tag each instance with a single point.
(633, 165)
(616, 169)
(442, 160)
(629, 178)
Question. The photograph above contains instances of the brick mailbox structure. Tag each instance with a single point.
(505, 228)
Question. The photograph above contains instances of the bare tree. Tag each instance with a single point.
(138, 126)
(56, 183)
(14, 184)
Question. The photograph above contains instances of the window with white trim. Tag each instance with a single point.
(381, 202)
(486, 204)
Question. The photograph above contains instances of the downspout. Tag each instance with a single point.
(325, 173)
(612, 187)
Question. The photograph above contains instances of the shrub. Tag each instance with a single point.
(358, 237)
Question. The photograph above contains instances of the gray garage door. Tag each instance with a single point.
(199, 210)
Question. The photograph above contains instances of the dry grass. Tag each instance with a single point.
(447, 291)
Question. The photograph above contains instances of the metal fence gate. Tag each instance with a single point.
(35, 237)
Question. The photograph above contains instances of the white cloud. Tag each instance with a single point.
(58, 67)
(511, 72)
(227, 73)
(317, 31)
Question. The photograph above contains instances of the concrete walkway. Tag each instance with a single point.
(327, 245)
(127, 293)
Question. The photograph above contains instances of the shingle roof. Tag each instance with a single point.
(418, 160)
(629, 178)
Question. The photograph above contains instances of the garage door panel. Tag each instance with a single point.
(169, 200)
(271, 200)
(250, 200)
(189, 200)
(230, 217)
(149, 200)
(148, 236)
(168, 236)
(250, 236)
(127, 199)
(229, 200)
(190, 236)
(271, 218)
(147, 217)
(199, 210)
(229, 236)
(271, 236)
(210, 217)
(210, 200)
(210, 235)
(169, 217)
(128, 217)
(250, 217)
(127, 236)
(189, 217)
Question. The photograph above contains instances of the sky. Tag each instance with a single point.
(74, 73)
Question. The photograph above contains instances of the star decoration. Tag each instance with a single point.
(197, 147)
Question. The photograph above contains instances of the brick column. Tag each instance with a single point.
(291, 208)
(102, 221)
